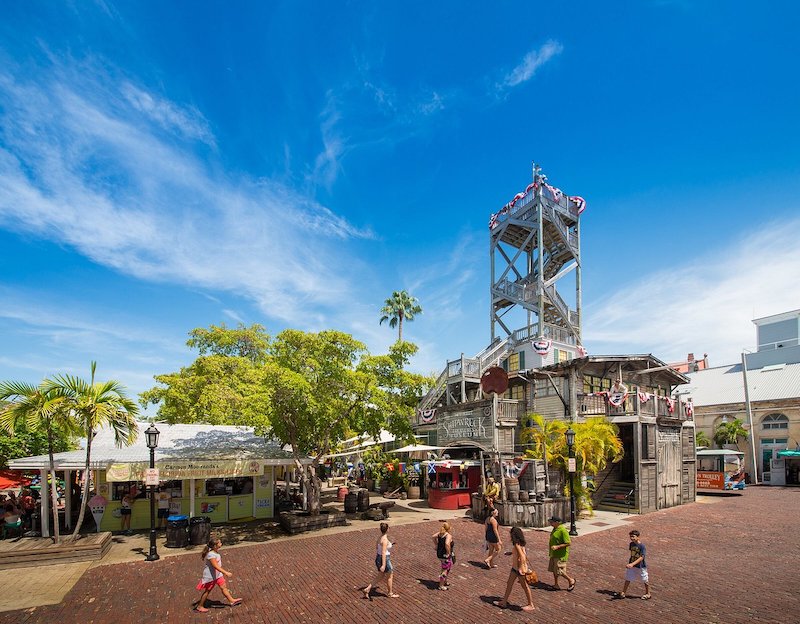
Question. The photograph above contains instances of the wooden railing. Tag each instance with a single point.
(599, 406)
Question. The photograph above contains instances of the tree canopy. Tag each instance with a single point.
(308, 390)
(324, 386)
(223, 386)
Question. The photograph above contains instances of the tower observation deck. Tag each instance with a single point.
(534, 247)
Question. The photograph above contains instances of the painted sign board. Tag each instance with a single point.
(708, 480)
(466, 426)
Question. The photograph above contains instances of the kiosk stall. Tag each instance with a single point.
(451, 482)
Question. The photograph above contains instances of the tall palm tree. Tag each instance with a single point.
(399, 307)
(37, 407)
(95, 405)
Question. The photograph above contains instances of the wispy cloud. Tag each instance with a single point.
(327, 164)
(187, 121)
(532, 61)
(110, 170)
(705, 306)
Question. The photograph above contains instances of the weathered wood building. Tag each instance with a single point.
(534, 244)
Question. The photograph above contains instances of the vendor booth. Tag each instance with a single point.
(225, 473)
(451, 483)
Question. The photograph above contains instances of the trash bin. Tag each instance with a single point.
(199, 530)
(177, 534)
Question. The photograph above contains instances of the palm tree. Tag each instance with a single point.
(95, 405)
(596, 443)
(37, 407)
(399, 307)
(541, 435)
(729, 432)
(701, 439)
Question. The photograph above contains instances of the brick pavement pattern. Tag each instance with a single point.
(730, 560)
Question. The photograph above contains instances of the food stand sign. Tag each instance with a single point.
(177, 469)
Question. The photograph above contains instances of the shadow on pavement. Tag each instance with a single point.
(428, 583)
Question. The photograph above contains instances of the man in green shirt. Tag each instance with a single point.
(559, 553)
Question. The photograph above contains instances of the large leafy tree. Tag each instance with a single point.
(596, 443)
(398, 308)
(224, 385)
(95, 405)
(323, 386)
(38, 408)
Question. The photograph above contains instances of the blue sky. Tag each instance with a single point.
(165, 166)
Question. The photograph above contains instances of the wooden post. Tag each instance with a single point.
(68, 499)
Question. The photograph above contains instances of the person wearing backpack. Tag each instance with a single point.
(445, 551)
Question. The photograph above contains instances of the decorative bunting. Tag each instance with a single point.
(580, 202)
(670, 404)
(542, 346)
(582, 352)
(617, 398)
(426, 416)
(689, 409)
(644, 397)
(557, 194)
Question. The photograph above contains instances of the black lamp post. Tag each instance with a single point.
(570, 435)
(151, 435)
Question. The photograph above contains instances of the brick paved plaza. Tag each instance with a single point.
(723, 560)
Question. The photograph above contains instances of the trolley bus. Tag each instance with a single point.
(720, 469)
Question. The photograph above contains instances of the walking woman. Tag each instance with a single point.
(519, 567)
(383, 562)
(493, 541)
(445, 551)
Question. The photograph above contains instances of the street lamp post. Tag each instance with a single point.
(151, 435)
(570, 435)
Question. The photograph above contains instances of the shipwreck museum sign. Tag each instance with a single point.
(473, 426)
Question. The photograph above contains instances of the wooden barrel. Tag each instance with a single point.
(523, 496)
(512, 488)
(413, 491)
(343, 491)
(363, 500)
(351, 503)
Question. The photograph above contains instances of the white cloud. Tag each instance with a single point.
(327, 164)
(532, 61)
(705, 305)
(80, 165)
(187, 121)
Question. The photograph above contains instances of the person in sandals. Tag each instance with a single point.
(519, 568)
(213, 575)
(445, 552)
(636, 568)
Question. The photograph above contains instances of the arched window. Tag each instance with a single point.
(774, 421)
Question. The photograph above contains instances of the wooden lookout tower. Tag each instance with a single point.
(534, 246)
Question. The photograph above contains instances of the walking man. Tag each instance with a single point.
(559, 553)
